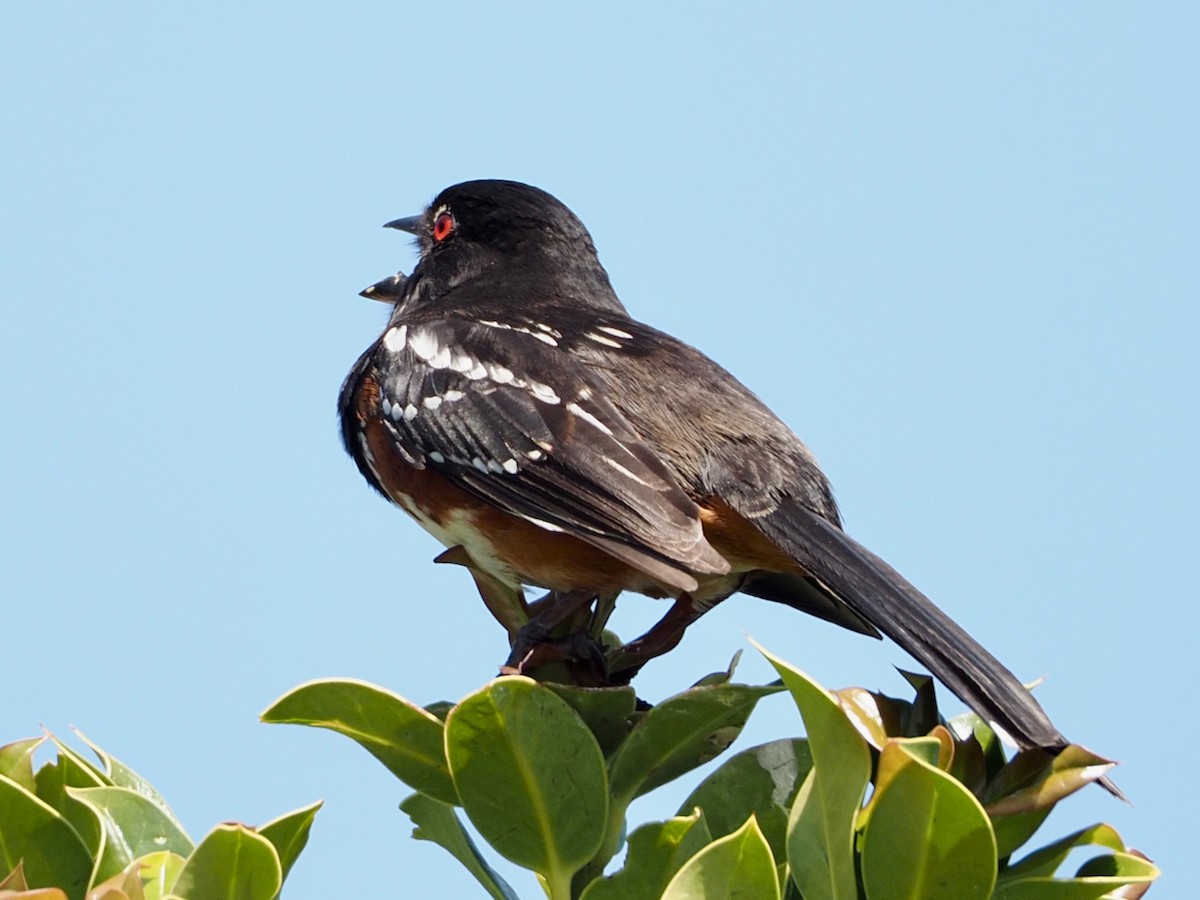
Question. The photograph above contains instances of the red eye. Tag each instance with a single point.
(443, 227)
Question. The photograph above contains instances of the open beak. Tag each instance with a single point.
(386, 291)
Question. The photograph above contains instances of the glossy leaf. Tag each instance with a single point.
(232, 862)
(407, 739)
(761, 781)
(159, 872)
(437, 822)
(656, 852)
(1012, 832)
(968, 765)
(1036, 780)
(120, 775)
(530, 776)
(1097, 878)
(821, 828)
(738, 866)
(927, 837)
(606, 711)
(681, 733)
(52, 851)
(132, 824)
(124, 885)
(16, 762)
(1045, 862)
(53, 779)
(289, 834)
(14, 887)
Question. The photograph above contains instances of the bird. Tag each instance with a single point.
(523, 417)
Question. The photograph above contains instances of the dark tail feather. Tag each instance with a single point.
(879, 594)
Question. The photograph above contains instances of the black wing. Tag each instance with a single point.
(512, 418)
(754, 463)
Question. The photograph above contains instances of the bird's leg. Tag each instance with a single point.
(505, 602)
(550, 612)
(605, 604)
(665, 635)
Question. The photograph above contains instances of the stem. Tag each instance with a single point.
(560, 885)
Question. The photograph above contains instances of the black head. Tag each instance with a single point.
(503, 241)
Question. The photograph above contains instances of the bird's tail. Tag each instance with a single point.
(883, 597)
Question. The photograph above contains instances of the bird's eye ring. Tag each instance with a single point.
(443, 227)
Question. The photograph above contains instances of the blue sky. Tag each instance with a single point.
(954, 248)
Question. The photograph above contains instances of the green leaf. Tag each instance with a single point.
(32, 831)
(437, 822)
(52, 781)
(289, 834)
(159, 872)
(132, 823)
(1012, 832)
(1097, 878)
(120, 775)
(232, 862)
(681, 733)
(407, 739)
(821, 828)
(738, 866)
(16, 762)
(1035, 779)
(967, 725)
(530, 776)
(763, 782)
(606, 711)
(1047, 860)
(927, 837)
(124, 885)
(656, 852)
(921, 716)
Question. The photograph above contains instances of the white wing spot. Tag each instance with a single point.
(423, 343)
(499, 374)
(432, 402)
(535, 454)
(451, 396)
(436, 457)
(441, 359)
(395, 338)
(615, 332)
(543, 392)
(544, 338)
(460, 362)
(624, 471)
(509, 466)
(588, 417)
(410, 412)
(494, 466)
(540, 523)
(601, 339)
(479, 464)
(366, 449)
(397, 413)
(386, 405)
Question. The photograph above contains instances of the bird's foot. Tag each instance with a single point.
(664, 635)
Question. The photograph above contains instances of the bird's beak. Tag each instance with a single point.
(411, 224)
(386, 291)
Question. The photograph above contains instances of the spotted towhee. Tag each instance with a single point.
(515, 409)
